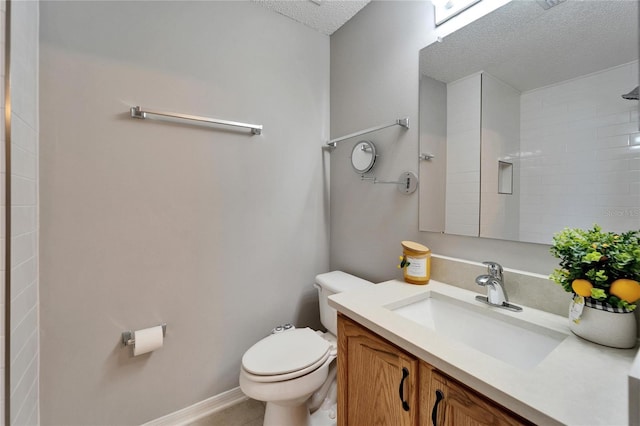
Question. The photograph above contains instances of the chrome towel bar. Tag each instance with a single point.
(139, 112)
(404, 122)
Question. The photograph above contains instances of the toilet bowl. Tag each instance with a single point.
(286, 369)
(286, 389)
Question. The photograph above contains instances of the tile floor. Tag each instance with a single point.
(246, 413)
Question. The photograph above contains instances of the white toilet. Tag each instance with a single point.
(286, 369)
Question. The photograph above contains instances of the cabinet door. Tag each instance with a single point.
(377, 382)
(453, 404)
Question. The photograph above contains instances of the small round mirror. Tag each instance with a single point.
(363, 156)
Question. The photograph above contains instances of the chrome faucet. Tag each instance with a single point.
(496, 293)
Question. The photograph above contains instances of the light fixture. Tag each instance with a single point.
(548, 4)
(447, 9)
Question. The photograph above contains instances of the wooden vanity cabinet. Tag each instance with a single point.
(377, 381)
(448, 402)
(380, 384)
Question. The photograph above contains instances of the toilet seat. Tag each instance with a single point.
(288, 376)
(286, 355)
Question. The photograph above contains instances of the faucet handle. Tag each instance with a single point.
(494, 269)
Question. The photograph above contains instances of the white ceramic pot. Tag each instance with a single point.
(617, 330)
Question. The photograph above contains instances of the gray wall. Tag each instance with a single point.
(374, 79)
(215, 232)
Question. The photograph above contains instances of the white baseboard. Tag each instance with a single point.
(200, 409)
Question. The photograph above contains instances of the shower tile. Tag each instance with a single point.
(22, 363)
(23, 162)
(23, 219)
(22, 327)
(617, 129)
(23, 191)
(27, 393)
(23, 248)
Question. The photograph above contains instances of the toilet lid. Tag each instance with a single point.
(285, 352)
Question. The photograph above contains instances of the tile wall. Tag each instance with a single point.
(2, 204)
(24, 213)
(463, 153)
(500, 207)
(580, 152)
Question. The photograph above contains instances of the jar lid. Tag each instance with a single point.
(410, 245)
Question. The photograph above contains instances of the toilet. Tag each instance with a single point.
(294, 371)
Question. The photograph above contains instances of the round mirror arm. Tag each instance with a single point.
(407, 182)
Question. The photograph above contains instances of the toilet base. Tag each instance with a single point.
(289, 415)
(325, 416)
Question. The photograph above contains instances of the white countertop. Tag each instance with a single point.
(578, 383)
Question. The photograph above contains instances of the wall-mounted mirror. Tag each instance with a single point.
(524, 114)
(363, 156)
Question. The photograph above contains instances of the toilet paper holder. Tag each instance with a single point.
(128, 340)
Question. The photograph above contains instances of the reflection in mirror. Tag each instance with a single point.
(532, 99)
(446, 9)
(363, 156)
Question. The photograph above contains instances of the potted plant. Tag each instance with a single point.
(602, 270)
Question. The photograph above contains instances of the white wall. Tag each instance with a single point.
(215, 232)
(433, 141)
(500, 211)
(24, 374)
(580, 152)
(374, 79)
(464, 98)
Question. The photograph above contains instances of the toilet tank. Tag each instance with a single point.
(332, 283)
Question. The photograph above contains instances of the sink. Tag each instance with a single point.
(505, 337)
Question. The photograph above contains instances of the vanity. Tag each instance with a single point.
(433, 354)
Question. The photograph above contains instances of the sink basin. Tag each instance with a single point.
(505, 337)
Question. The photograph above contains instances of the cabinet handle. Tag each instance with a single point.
(434, 412)
(405, 374)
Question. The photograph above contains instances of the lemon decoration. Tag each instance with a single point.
(626, 289)
(582, 287)
(599, 265)
(403, 262)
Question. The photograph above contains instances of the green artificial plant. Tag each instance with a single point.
(599, 257)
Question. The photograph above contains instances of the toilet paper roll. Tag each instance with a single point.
(147, 340)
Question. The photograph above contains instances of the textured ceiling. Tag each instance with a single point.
(325, 16)
(528, 47)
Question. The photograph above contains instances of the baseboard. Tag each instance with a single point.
(200, 409)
